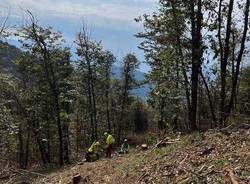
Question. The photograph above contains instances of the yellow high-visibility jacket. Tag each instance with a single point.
(93, 148)
(110, 140)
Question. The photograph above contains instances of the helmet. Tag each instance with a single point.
(125, 140)
(97, 143)
(105, 133)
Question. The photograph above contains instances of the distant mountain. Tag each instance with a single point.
(8, 53)
(117, 73)
(140, 76)
(142, 92)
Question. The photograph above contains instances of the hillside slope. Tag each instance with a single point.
(211, 157)
(8, 53)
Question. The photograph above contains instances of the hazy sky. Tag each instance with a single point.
(111, 21)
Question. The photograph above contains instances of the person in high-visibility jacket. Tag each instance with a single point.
(109, 141)
(92, 153)
(125, 147)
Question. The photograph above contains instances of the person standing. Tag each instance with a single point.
(109, 142)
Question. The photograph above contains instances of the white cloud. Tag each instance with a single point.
(109, 20)
(122, 10)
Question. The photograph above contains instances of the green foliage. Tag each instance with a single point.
(167, 51)
(244, 92)
(130, 64)
(218, 163)
(150, 138)
(139, 116)
(144, 158)
(54, 107)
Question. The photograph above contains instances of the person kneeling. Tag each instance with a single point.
(92, 153)
(124, 147)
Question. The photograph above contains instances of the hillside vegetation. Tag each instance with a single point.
(8, 55)
(62, 96)
(211, 157)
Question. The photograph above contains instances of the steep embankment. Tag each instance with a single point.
(211, 157)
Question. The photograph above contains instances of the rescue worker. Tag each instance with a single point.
(125, 147)
(109, 142)
(92, 153)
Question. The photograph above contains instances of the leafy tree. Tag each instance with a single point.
(51, 62)
(139, 115)
(229, 49)
(244, 92)
(105, 62)
(180, 37)
(88, 52)
(130, 64)
(168, 52)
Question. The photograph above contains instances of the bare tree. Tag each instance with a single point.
(3, 26)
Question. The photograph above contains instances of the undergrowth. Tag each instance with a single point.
(137, 160)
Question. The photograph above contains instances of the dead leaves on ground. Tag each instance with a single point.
(213, 158)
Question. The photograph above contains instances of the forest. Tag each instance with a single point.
(56, 101)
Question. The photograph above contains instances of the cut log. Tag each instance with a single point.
(81, 163)
(31, 172)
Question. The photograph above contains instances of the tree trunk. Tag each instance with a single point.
(196, 21)
(35, 130)
(27, 150)
(21, 149)
(209, 100)
(48, 140)
(184, 73)
(41, 146)
(239, 58)
(65, 129)
(94, 110)
(224, 62)
(107, 101)
(123, 105)
(180, 53)
(59, 128)
(66, 142)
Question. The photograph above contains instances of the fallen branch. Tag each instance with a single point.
(31, 172)
(183, 160)
(142, 176)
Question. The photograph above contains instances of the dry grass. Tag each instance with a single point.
(210, 158)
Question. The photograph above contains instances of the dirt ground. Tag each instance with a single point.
(99, 172)
(213, 157)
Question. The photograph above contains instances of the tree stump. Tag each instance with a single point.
(144, 146)
(76, 179)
